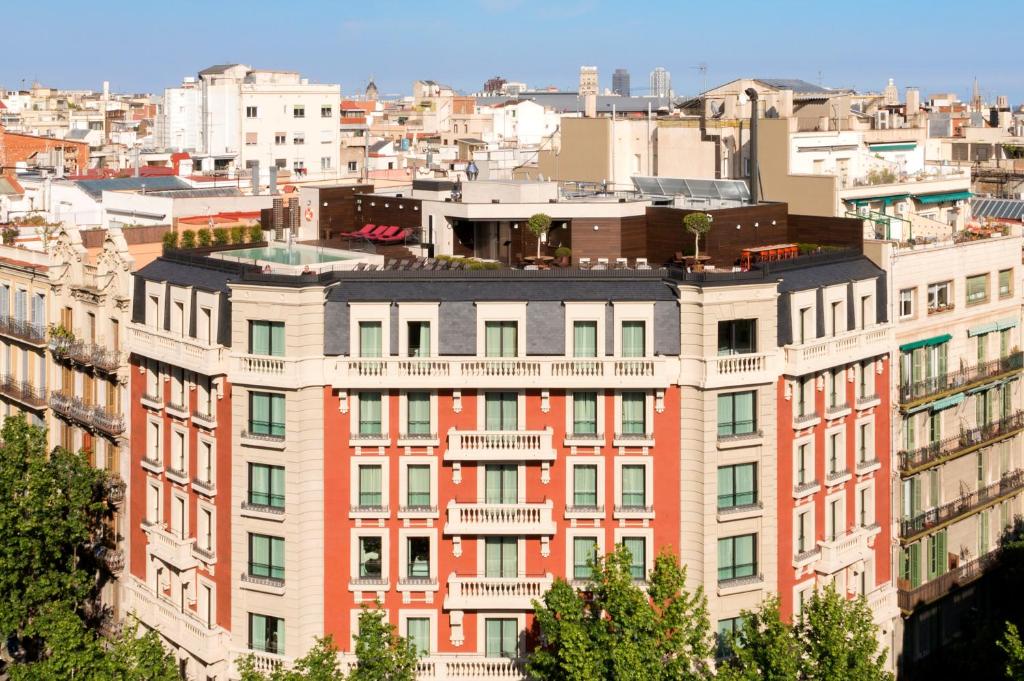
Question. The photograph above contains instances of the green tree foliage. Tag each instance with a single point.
(255, 233)
(238, 234)
(221, 236)
(319, 664)
(539, 224)
(613, 629)
(203, 236)
(1012, 647)
(764, 648)
(170, 240)
(188, 239)
(697, 224)
(381, 654)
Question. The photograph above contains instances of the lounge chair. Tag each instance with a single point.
(386, 233)
(401, 236)
(366, 229)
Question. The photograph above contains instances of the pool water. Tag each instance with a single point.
(296, 255)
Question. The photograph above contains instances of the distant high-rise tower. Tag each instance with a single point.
(892, 94)
(371, 90)
(661, 82)
(976, 97)
(588, 80)
(620, 82)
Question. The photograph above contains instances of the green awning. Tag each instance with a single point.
(947, 402)
(983, 388)
(887, 200)
(942, 197)
(893, 146)
(982, 329)
(936, 340)
(1006, 323)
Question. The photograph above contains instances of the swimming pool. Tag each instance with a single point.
(297, 254)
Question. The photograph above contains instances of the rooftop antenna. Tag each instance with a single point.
(703, 68)
(820, 79)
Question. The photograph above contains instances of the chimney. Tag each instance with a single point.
(590, 105)
(255, 170)
(752, 93)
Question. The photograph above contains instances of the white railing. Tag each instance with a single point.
(171, 548)
(180, 351)
(843, 551)
(821, 353)
(484, 519)
(500, 445)
(451, 667)
(182, 627)
(742, 369)
(495, 593)
(883, 603)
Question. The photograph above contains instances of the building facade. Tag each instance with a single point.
(620, 83)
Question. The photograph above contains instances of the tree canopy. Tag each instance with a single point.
(539, 224)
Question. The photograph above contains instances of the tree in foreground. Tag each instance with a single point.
(319, 664)
(614, 629)
(834, 640)
(1011, 645)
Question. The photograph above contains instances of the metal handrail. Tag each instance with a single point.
(961, 378)
(963, 440)
(968, 503)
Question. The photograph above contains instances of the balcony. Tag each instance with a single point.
(843, 551)
(495, 593)
(959, 445)
(177, 350)
(281, 372)
(23, 392)
(492, 519)
(112, 559)
(959, 380)
(455, 667)
(116, 488)
(34, 334)
(909, 598)
(205, 487)
(512, 372)
(1008, 485)
(740, 370)
(170, 548)
(107, 420)
(500, 445)
(819, 354)
(87, 354)
(179, 625)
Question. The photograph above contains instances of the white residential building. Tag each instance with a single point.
(180, 122)
(524, 121)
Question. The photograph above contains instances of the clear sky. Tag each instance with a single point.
(937, 45)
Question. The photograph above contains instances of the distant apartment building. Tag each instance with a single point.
(180, 124)
(660, 82)
(588, 81)
(620, 82)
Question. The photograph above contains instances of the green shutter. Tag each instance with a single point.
(915, 565)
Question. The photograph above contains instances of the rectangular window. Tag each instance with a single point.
(736, 414)
(501, 557)
(280, 138)
(634, 339)
(417, 408)
(500, 339)
(325, 163)
(370, 487)
(418, 557)
(1005, 283)
(803, 534)
(634, 413)
(501, 484)
(266, 634)
(584, 339)
(834, 525)
(326, 112)
(252, 112)
(637, 547)
(419, 339)
(833, 453)
(298, 111)
(353, 166)
(266, 338)
(502, 637)
(417, 486)
(370, 339)
(1004, 343)
(417, 630)
(266, 485)
(910, 565)
(266, 556)
(737, 485)
(370, 564)
(501, 411)
(737, 336)
(584, 413)
(803, 470)
(940, 296)
(584, 486)
(725, 633)
(584, 551)
(977, 289)
(266, 414)
(369, 413)
(298, 138)
(634, 486)
(251, 139)
(737, 557)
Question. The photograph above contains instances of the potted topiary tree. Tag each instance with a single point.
(170, 240)
(697, 224)
(203, 235)
(563, 253)
(188, 239)
(539, 224)
(256, 233)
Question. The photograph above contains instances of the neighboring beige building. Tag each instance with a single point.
(600, 150)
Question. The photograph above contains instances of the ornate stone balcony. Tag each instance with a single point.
(500, 445)
(491, 519)
(494, 593)
(818, 354)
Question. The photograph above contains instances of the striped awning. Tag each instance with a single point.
(947, 402)
(982, 329)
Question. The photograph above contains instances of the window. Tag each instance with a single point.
(370, 492)
(353, 166)
(501, 484)
(417, 630)
(501, 411)
(501, 557)
(835, 388)
(737, 485)
(266, 556)
(634, 413)
(266, 414)
(252, 112)
(737, 336)
(417, 493)
(502, 636)
(803, 463)
(983, 524)
(1005, 283)
(266, 634)
(1004, 343)
(803, 531)
(280, 138)
(863, 507)
(584, 551)
(584, 486)
(205, 461)
(864, 448)
(910, 565)
(325, 163)
(326, 112)
(634, 486)
(417, 413)
(370, 564)
(298, 111)
(266, 338)
(736, 414)
(940, 296)
(938, 560)
(501, 339)
(584, 339)
(637, 547)
(807, 331)
(266, 485)
(737, 557)
(419, 339)
(251, 139)
(834, 450)
(834, 524)
(369, 413)
(634, 341)
(977, 289)
(864, 387)
(726, 632)
(418, 557)
(370, 339)
(281, 162)
(584, 413)
(298, 138)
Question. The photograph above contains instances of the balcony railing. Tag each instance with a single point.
(23, 392)
(843, 551)
(89, 354)
(910, 598)
(739, 369)
(92, 416)
(170, 547)
(960, 379)
(820, 353)
(23, 330)
(491, 519)
(116, 488)
(967, 504)
(189, 353)
(495, 593)
(178, 624)
(500, 445)
(967, 440)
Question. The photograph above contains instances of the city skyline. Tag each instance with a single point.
(833, 57)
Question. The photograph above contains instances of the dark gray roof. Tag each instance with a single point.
(197, 193)
(377, 146)
(217, 68)
(800, 275)
(207, 274)
(796, 85)
(95, 188)
(77, 134)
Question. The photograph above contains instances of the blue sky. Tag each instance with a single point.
(150, 45)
